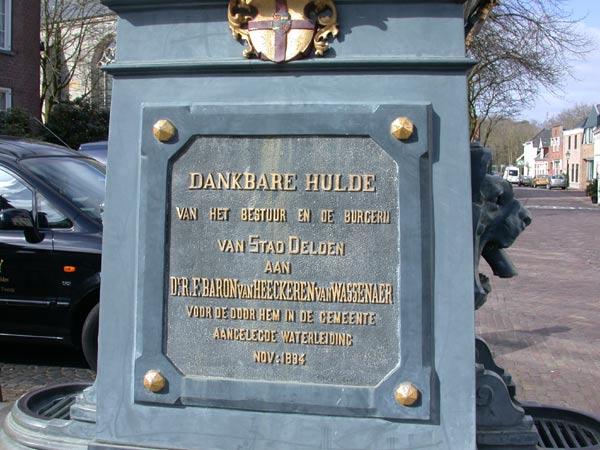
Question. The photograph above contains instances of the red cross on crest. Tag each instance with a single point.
(283, 30)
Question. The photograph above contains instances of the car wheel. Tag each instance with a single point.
(89, 337)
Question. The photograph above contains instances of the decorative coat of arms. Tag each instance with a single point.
(283, 30)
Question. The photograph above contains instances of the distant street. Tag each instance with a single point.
(543, 325)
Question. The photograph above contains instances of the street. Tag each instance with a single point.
(542, 325)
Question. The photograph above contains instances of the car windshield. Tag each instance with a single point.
(80, 180)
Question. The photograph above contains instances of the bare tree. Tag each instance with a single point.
(524, 46)
(67, 36)
(505, 137)
(570, 118)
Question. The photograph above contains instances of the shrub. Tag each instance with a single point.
(591, 190)
(17, 122)
(77, 122)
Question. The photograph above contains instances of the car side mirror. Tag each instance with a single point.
(20, 219)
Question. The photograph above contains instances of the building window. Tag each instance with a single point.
(556, 166)
(575, 173)
(5, 19)
(102, 82)
(590, 170)
(5, 99)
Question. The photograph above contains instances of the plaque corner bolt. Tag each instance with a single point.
(164, 130)
(154, 381)
(402, 128)
(407, 394)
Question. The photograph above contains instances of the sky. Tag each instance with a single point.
(586, 87)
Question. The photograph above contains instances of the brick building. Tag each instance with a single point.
(555, 152)
(20, 55)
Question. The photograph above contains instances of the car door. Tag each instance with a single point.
(28, 278)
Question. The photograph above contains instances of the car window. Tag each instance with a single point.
(13, 193)
(49, 216)
(79, 180)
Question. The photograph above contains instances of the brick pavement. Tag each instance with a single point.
(544, 325)
(25, 367)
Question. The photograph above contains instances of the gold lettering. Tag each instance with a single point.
(250, 181)
(367, 217)
(278, 268)
(304, 215)
(195, 181)
(229, 246)
(317, 338)
(347, 318)
(199, 312)
(187, 213)
(312, 182)
(264, 357)
(282, 290)
(222, 181)
(337, 182)
(244, 334)
(219, 214)
(245, 181)
(263, 215)
(327, 216)
(269, 315)
(296, 246)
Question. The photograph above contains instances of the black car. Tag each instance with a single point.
(51, 205)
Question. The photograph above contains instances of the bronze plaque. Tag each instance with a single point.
(283, 260)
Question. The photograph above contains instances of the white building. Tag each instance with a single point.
(535, 149)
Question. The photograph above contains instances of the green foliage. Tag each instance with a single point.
(591, 190)
(77, 122)
(17, 122)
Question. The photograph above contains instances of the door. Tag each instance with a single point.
(28, 279)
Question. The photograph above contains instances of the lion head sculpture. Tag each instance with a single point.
(498, 219)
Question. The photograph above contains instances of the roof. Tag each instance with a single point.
(593, 120)
(545, 135)
(26, 148)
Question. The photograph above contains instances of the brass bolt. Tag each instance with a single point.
(154, 381)
(407, 394)
(402, 128)
(164, 130)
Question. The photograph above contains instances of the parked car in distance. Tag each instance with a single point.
(511, 174)
(540, 180)
(525, 180)
(97, 150)
(557, 181)
(51, 206)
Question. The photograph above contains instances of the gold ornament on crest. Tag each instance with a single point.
(283, 30)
